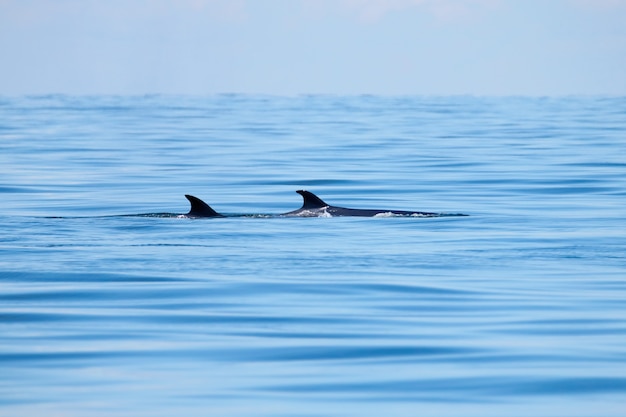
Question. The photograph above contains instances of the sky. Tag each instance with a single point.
(290, 47)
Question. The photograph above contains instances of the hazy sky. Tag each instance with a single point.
(482, 47)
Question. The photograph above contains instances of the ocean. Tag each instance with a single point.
(108, 308)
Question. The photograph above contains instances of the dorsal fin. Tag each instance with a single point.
(200, 209)
(311, 201)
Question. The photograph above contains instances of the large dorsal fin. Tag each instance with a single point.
(200, 209)
(311, 201)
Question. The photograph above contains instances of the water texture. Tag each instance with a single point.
(518, 309)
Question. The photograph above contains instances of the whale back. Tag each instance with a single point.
(200, 209)
(311, 201)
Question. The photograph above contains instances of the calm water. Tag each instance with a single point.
(517, 310)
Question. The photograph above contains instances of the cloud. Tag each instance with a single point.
(602, 4)
(370, 11)
(31, 12)
(373, 10)
(231, 10)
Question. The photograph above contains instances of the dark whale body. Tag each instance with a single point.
(314, 206)
(200, 209)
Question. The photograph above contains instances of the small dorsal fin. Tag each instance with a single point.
(200, 209)
(311, 201)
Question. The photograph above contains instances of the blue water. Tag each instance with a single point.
(518, 309)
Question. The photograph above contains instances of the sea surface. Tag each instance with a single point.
(109, 308)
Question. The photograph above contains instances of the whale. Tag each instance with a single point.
(200, 209)
(313, 206)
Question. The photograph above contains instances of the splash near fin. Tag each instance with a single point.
(311, 201)
(200, 209)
